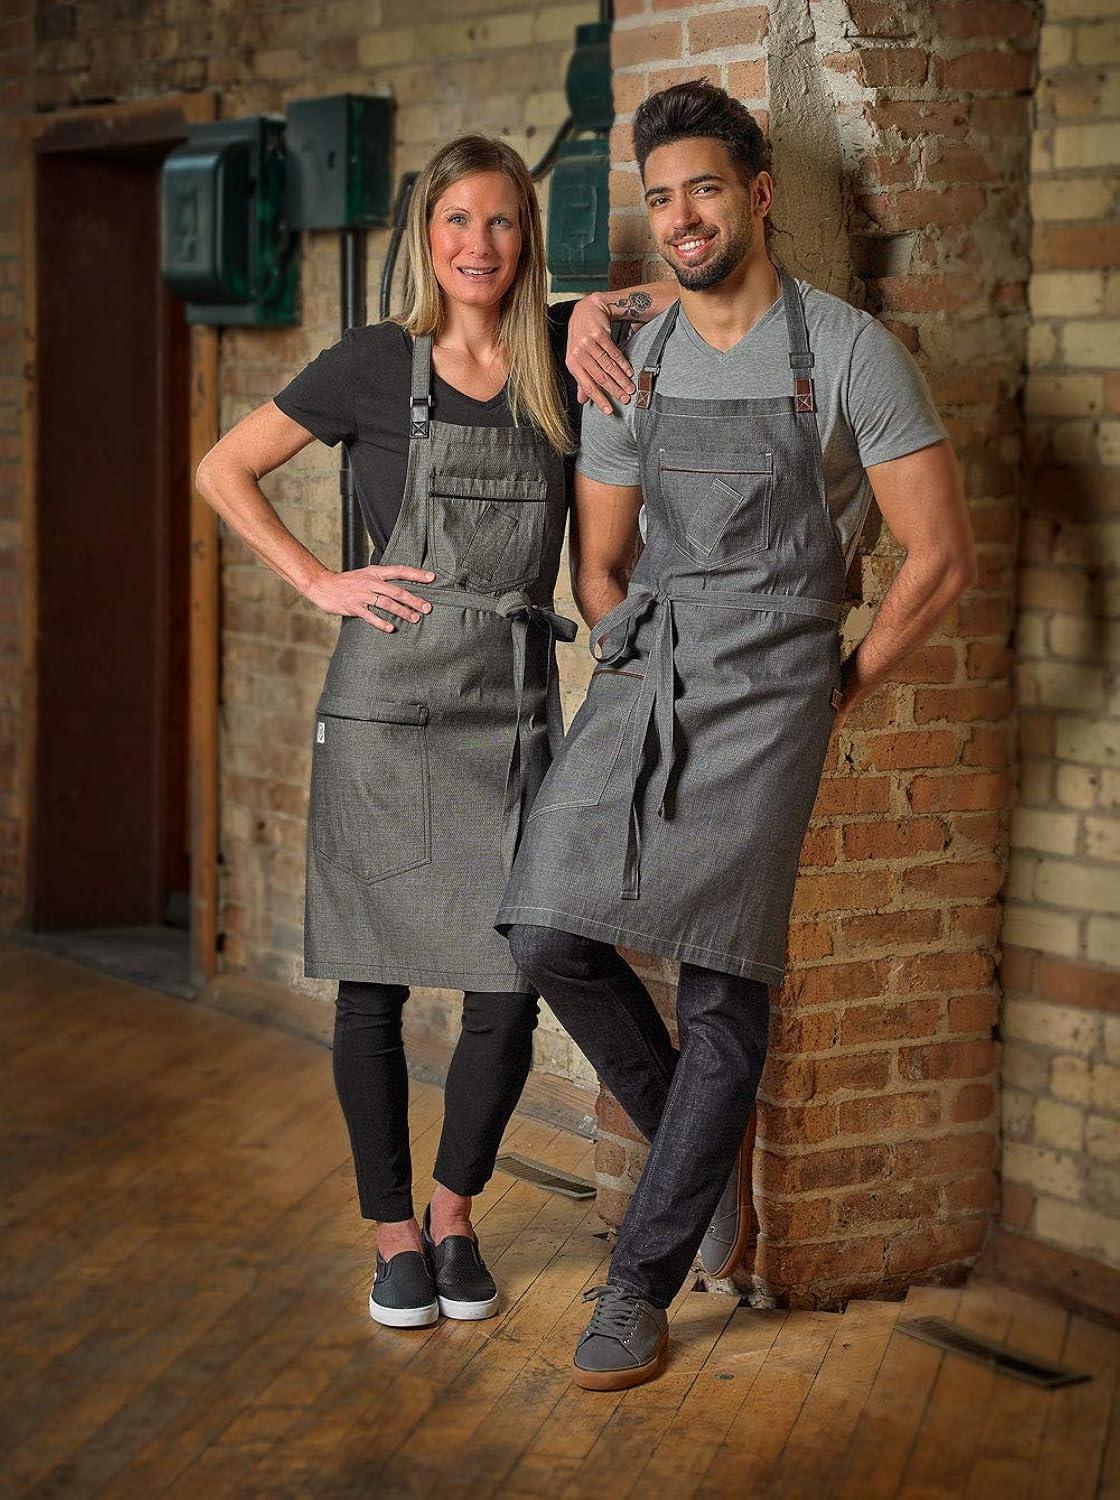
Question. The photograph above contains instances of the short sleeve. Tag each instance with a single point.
(321, 396)
(888, 404)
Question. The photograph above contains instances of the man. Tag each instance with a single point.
(766, 414)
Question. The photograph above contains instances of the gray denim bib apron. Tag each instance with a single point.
(672, 820)
(431, 741)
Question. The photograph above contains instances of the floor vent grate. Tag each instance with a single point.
(543, 1176)
(1005, 1360)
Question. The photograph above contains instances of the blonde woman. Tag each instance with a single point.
(440, 708)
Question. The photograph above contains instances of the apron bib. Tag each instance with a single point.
(430, 742)
(672, 821)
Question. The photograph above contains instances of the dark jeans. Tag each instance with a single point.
(488, 1071)
(692, 1105)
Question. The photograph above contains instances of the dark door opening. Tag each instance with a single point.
(111, 843)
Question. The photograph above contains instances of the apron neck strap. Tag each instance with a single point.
(800, 355)
(420, 400)
(647, 375)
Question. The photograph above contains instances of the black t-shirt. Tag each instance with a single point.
(356, 392)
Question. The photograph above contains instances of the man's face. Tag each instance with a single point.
(702, 216)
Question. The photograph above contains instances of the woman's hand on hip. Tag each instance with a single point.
(360, 591)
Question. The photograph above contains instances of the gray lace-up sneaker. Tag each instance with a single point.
(728, 1236)
(623, 1345)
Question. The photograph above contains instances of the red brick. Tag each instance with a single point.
(988, 747)
(891, 840)
(745, 26)
(890, 1112)
(939, 972)
(662, 42)
(886, 1204)
(828, 984)
(1078, 984)
(1003, 20)
(977, 615)
(853, 794)
(953, 793)
(1076, 247)
(875, 18)
(859, 1070)
(975, 833)
(972, 71)
(927, 664)
(892, 67)
(961, 705)
(611, 1205)
(804, 1031)
(969, 1013)
(814, 1170)
(891, 928)
(975, 1101)
(961, 164)
(798, 1124)
(847, 892)
(908, 209)
(667, 78)
(935, 1245)
(748, 80)
(1016, 1205)
(929, 294)
(1036, 733)
(980, 880)
(969, 1059)
(796, 1265)
(905, 751)
(971, 1194)
(809, 940)
(819, 848)
(884, 1023)
(920, 118)
(808, 1219)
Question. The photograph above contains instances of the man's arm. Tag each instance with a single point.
(598, 365)
(601, 541)
(922, 500)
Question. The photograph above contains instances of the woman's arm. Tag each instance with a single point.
(599, 366)
(228, 479)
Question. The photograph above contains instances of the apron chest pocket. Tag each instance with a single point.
(488, 532)
(370, 811)
(718, 508)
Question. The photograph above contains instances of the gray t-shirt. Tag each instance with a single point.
(872, 402)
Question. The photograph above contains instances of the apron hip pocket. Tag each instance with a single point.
(594, 743)
(370, 811)
(718, 510)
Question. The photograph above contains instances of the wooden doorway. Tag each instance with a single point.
(121, 653)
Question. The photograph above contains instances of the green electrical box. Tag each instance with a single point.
(227, 249)
(579, 254)
(338, 161)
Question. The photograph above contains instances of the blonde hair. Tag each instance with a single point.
(534, 384)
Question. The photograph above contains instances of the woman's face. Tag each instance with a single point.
(475, 235)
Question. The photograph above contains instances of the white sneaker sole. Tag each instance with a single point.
(403, 1317)
(468, 1312)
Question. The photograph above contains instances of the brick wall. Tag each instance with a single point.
(451, 65)
(900, 135)
(1061, 968)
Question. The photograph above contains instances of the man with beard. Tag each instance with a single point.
(766, 415)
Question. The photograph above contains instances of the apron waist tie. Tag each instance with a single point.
(653, 738)
(521, 612)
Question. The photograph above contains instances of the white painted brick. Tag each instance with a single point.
(1099, 43)
(1102, 1188)
(1070, 198)
(1019, 885)
(1085, 636)
(1108, 444)
(1059, 1125)
(1053, 832)
(1108, 796)
(1102, 1138)
(1111, 1039)
(1055, 46)
(1025, 1067)
(1102, 838)
(1064, 395)
(1076, 786)
(1062, 684)
(1102, 941)
(1071, 1079)
(1106, 1088)
(1017, 1114)
(1033, 927)
(1036, 782)
(1062, 1027)
(1066, 294)
(1088, 741)
(1044, 1171)
(1086, 887)
(1078, 1229)
(1042, 346)
(1093, 145)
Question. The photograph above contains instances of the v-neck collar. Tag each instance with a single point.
(684, 323)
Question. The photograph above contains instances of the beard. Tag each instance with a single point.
(739, 241)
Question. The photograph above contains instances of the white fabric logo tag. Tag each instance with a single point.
(321, 734)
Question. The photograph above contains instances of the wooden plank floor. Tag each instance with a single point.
(184, 1284)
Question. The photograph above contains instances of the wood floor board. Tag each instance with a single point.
(1072, 1447)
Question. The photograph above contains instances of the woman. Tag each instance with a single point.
(440, 706)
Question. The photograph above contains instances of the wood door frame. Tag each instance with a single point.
(94, 128)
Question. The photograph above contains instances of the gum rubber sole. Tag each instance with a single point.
(403, 1317)
(621, 1380)
(745, 1236)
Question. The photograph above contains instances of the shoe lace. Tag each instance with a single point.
(615, 1311)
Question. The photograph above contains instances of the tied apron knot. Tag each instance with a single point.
(521, 612)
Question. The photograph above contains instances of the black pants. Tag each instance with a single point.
(488, 1071)
(692, 1105)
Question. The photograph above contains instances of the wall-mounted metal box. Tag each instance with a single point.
(588, 85)
(578, 212)
(227, 248)
(338, 162)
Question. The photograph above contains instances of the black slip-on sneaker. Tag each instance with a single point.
(623, 1345)
(404, 1294)
(728, 1237)
(464, 1286)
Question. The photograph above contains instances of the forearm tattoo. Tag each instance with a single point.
(634, 306)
